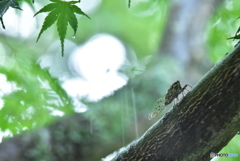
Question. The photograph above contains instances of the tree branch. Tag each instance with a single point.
(204, 121)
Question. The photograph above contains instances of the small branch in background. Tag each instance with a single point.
(129, 3)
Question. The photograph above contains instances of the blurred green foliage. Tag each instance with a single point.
(139, 27)
(34, 97)
(36, 93)
(232, 147)
(223, 25)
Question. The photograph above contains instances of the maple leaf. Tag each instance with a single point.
(4, 5)
(63, 13)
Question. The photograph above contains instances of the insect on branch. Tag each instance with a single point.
(173, 92)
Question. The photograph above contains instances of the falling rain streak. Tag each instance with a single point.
(135, 113)
(123, 116)
(91, 121)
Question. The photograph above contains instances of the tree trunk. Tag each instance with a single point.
(204, 121)
(183, 37)
(185, 28)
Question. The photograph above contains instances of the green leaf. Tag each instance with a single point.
(62, 26)
(77, 10)
(73, 2)
(63, 13)
(47, 8)
(55, 0)
(72, 20)
(48, 21)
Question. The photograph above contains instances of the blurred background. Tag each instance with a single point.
(96, 99)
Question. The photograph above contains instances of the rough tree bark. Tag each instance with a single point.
(204, 121)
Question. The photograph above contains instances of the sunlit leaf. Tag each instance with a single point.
(34, 96)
